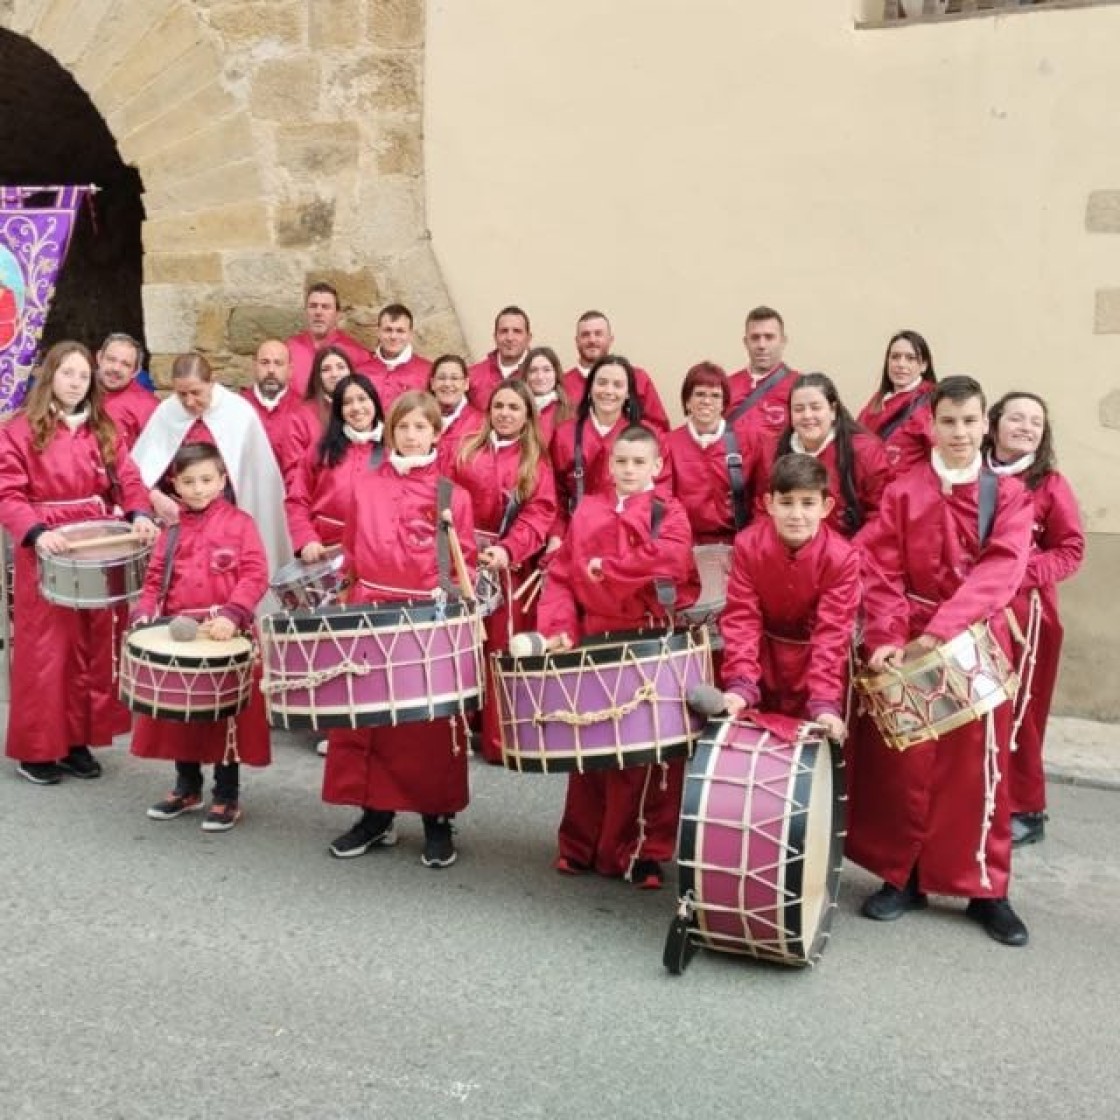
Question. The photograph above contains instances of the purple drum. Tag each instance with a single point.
(616, 700)
(371, 666)
(761, 843)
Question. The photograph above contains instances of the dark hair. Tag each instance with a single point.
(957, 388)
(190, 454)
(638, 433)
(1045, 461)
(454, 359)
(314, 390)
(587, 316)
(799, 472)
(564, 408)
(632, 409)
(762, 313)
(513, 309)
(709, 375)
(394, 311)
(127, 340)
(844, 428)
(334, 444)
(321, 287)
(921, 348)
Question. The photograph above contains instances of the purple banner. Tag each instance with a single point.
(33, 244)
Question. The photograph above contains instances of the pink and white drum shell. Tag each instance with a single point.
(97, 577)
(713, 563)
(936, 691)
(761, 843)
(197, 681)
(372, 666)
(299, 586)
(615, 701)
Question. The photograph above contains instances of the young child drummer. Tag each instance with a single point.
(792, 601)
(602, 578)
(213, 569)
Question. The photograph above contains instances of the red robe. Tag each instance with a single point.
(770, 412)
(288, 427)
(1057, 552)
(490, 477)
(912, 441)
(219, 562)
(927, 575)
(653, 411)
(600, 827)
(390, 540)
(130, 409)
(485, 376)
(303, 348)
(391, 383)
(788, 624)
(63, 679)
(320, 497)
(548, 423)
(453, 435)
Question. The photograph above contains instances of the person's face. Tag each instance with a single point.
(393, 335)
(609, 391)
(958, 429)
(199, 484)
(903, 363)
(811, 417)
(116, 366)
(414, 434)
(332, 371)
(798, 515)
(71, 380)
(508, 414)
(1020, 429)
(322, 314)
(271, 369)
(448, 385)
(194, 394)
(357, 408)
(593, 340)
(511, 337)
(705, 407)
(634, 465)
(766, 343)
(541, 376)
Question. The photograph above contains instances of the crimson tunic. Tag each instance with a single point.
(63, 682)
(289, 427)
(391, 383)
(452, 436)
(603, 811)
(485, 376)
(390, 540)
(219, 563)
(320, 496)
(490, 478)
(653, 411)
(303, 348)
(1058, 548)
(788, 624)
(911, 441)
(770, 412)
(927, 575)
(130, 409)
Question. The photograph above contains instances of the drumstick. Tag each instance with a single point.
(466, 588)
(100, 542)
(528, 584)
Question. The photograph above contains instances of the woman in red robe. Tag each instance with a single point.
(544, 375)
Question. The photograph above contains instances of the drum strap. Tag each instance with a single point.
(986, 501)
(735, 475)
(666, 591)
(443, 543)
(577, 468)
(509, 514)
(168, 564)
(900, 417)
(755, 395)
(376, 455)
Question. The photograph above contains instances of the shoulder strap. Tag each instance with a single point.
(376, 455)
(443, 543)
(734, 460)
(509, 514)
(755, 395)
(577, 467)
(666, 592)
(987, 499)
(900, 418)
(168, 563)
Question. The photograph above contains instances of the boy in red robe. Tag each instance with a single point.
(603, 578)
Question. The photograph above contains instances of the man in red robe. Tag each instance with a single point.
(128, 404)
(323, 311)
(394, 367)
(760, 392)
(512, 338)
(279, 409)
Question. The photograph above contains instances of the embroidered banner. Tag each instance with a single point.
(35, 228)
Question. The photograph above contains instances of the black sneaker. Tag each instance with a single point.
(373, 830)
(176, 804)
(80, 762)
(439, 849)
(647, 875)
(223, 815)
(41, 773)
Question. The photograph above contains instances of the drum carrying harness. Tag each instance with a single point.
(666, 589)
(734, 460)
(757, 393)
(900, 418)
(443, 541)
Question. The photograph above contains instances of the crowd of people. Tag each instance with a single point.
(891, 530)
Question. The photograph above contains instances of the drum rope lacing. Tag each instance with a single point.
(647, 691)
(1027, 660)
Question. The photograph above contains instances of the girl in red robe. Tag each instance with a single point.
(504, 469)
(543, 373)
(391, 557)
(899, 413)
(330, 365)
(218, 575)
(62, 461)
(448, 383)
(1020, 444)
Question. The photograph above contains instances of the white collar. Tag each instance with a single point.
(545, 399)
(402, 464)
(392, 363)
(624, 498)
(454, 414)
(372, 436)
(955, 476)
(795, 444)
(905, 389)
(584, 371)
(509, 371)
(265, 402)
(1016, 466)
(706, 439)
(599, 427)
(759, 378)
(498, 444)
(74, 420)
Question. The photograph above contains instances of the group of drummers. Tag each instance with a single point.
(561, 507)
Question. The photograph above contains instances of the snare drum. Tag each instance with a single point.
(761, 843)
(97, 577)
(615, 701)
(300, 586)
(936, 691)
(197, 681)
(713, 563)
(488, 584)
(371, 666)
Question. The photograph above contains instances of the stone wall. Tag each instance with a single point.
(278, 141)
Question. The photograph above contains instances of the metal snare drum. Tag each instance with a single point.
(97, 577)
(300, 586)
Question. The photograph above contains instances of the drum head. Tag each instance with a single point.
(96, 557)
(155, 644)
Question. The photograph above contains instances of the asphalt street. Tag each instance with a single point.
(155, 971)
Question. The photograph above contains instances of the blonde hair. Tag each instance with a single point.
(413, 400)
